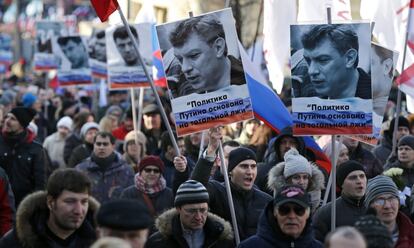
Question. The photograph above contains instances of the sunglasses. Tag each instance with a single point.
(286, 209)
(149, 170)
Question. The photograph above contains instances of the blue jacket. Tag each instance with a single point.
(269, 234)
(108, 183)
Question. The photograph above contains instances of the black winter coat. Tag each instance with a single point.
(161, 201)
(269, 234)
(348, 212)
(26, 164)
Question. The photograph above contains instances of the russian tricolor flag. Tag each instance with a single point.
(268, 107)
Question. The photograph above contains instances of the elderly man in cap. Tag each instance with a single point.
(383, 196)
(127, 219)
(247, 199)
(190, 224)
(23, 159)
(285, 222)
(350, 206)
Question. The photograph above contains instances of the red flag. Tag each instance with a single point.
(104, 8)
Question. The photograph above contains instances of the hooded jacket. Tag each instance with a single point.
(25, 163)
(277, 180)
(218, 232)
(30, 227)
(269, 234)
(273, 157)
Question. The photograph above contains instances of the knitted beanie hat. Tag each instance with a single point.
(345, 169)
(296, 163)
(23, 115)
(238, 155)
(407, 140)
(88, 125)
(375, 233)
(191, 192)
(65, 121)
(151, 160)
(380, 185)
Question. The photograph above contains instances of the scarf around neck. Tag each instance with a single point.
(140, 184)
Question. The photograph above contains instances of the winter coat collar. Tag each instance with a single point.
(169, 225)
(269, 230)
(33, 213)
(276, 179)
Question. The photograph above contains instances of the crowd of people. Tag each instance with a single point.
(72, 177)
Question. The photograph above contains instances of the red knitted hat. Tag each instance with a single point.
(151, 160)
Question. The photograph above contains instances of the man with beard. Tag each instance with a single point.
(60, 217)
(23, 159)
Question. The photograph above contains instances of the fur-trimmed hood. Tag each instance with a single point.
(276, 180)
(35, 204)
(164, 223)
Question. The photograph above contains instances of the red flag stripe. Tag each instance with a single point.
(104, 8)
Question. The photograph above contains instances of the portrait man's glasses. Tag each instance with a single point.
(286, 209)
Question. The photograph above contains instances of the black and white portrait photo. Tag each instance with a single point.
(124, 67)
(73, 52)
(200, 54)
(331, 61)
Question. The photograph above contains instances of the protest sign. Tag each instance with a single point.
(331, 87)
(124, 68)
(73, 59)
(44, 59)
(6, 54)
(205, 76)
(97, 54)
(383, 63)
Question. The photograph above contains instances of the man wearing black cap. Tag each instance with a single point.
(190, 224)
(247, 199)
(285, 222)
(383, 151)
(153, 128)
(350, 206)
(126, 219)
(23, 159)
